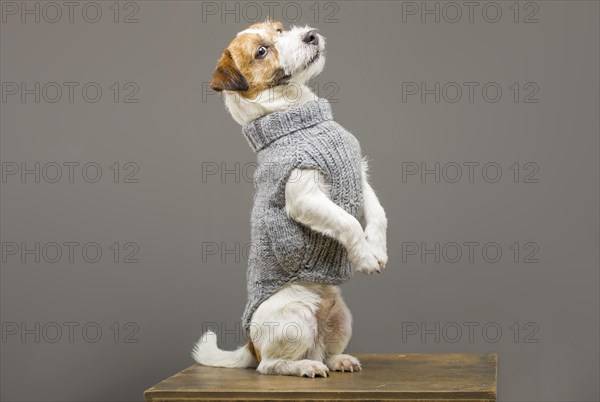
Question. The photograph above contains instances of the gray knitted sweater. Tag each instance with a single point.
(283, 250)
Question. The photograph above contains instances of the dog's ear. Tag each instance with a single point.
(227, 76)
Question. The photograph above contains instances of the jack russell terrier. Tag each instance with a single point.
(315, 217)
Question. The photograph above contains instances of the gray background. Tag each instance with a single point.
(173, 135)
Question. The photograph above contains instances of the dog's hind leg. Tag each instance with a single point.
(284, 333)
(337, 332)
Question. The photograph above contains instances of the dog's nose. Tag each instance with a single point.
(311, 38)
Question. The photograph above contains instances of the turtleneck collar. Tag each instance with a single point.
(264, 130)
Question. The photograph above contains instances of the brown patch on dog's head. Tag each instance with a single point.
(250, 63)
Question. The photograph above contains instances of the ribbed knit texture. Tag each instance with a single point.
(283, 250)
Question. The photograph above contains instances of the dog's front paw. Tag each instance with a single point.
(365, 261)
(377, 243)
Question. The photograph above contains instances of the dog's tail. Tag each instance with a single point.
(207, 353)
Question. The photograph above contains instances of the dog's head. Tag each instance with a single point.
(266, 55)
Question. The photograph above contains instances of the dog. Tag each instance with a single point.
(303, 328)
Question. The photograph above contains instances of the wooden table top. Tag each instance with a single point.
(415, 376)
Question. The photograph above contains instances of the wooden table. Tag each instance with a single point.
(403, 377)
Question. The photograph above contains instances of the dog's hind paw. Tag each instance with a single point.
(344, 363)
(312, 369)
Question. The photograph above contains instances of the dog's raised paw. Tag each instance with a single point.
(344, 363)
(313, 368)
(365, 262)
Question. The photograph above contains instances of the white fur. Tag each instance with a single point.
(294, 54)
(251, 31)
(299, 328)
(303, 329)
(206, 352)
(270, 100)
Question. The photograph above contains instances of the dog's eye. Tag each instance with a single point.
(261, 52)
(280, 30)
